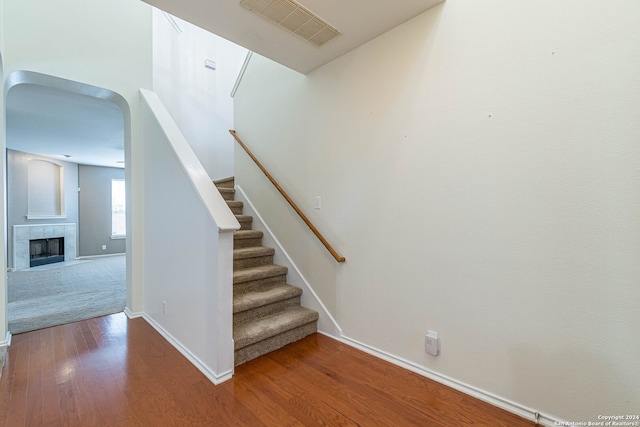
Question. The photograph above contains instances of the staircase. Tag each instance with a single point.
(266, 310)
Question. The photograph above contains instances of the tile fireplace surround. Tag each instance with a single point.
(23, 233)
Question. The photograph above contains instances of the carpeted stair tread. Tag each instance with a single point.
(227, 193)
(258, 298)
(252, 252)
(236, 206)
(247, 234)
(252, 256)
(245, 221)
(257, 273)
(225, 182)
(253, 332)
(273, 343)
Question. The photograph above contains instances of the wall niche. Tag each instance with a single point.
(45, 190)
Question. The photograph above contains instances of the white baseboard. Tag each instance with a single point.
(214, 377)
(131, 315)
(7, 340)
(326, 323)
(100, 256)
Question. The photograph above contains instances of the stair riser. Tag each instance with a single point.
(254, 285)
(265, 310)
(227, 196)
(236, 210)
(252, 262)
(270, 344)
(247, 243)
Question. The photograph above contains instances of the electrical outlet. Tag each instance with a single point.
(164, 307)
(317, 202)
(432, 343)
(104, 247)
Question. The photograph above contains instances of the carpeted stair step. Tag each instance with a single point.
(257, 273)
(253, 339)
(262, 277)
(245, 221)
(250, 306)
(236, 206)
(227, 193)
(253, 256)
(225, 182)
(247, 238)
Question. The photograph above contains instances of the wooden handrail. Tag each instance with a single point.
(288, 199)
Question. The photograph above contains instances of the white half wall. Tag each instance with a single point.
(188, 257)
(198, 98)
(478, 168)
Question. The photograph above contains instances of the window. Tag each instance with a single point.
(118, 209)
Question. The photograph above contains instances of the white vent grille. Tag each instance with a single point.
(294, 18)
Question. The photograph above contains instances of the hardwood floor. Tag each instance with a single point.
(113, 371)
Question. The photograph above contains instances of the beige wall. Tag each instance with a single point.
(478, 167)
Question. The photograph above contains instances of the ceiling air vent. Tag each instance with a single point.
(293, 17)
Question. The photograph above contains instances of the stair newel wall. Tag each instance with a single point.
(188, 244)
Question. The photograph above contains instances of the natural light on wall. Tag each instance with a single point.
(118, 208)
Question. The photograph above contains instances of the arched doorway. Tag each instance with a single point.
(82, 130)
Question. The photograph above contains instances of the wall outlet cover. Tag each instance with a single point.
(432, 343)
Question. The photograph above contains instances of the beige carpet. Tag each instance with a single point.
(61, 293)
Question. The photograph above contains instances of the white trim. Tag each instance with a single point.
(327, 323)
(202, 367)
(485, 396)
(215, 205)
(131, 315)
(173, 22)
(241, 73)
(7, 340)
(100, 256)
(39, 217)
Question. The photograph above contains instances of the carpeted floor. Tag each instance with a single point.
(65, 292)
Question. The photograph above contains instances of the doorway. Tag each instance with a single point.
(80, 130)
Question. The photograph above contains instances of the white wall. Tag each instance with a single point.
(188, 253)
(85, 42)
(198, 98)
(3, 237)
(478, 167)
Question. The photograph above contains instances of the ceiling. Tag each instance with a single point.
(88, 130)
(57, 123)
(358, 20)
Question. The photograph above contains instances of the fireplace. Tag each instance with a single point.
(46, 251)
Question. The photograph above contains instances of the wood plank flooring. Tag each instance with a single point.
(114, 371)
